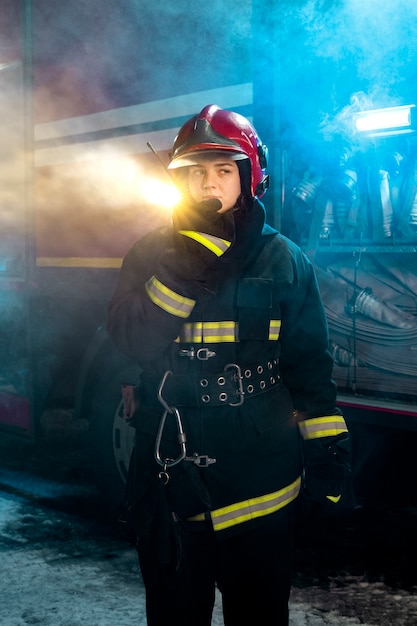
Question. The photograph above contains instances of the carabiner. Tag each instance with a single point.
(182, 440)
(167, 408)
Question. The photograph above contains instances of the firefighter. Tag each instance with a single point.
(236, 401)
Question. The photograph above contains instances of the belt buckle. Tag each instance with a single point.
(238, 377)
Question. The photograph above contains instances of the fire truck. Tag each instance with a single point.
(91, 98)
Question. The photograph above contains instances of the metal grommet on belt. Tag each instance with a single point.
(216, 389)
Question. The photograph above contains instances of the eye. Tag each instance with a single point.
(196, 172)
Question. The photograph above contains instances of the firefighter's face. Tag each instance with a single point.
(215, 178)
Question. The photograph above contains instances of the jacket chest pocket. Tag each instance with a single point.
(258, 319)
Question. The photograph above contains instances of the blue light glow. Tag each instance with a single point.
(398, 118)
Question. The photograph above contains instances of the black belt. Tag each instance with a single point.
(232, 386)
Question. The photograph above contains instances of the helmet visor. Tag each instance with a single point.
(195, 157)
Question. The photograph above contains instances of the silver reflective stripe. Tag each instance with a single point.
(209, 332)
(215, 244)
(326, 426)
(168, 300)
(219, 332)
(254, 507)
(274, 329)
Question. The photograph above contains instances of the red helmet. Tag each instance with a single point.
(225, 131)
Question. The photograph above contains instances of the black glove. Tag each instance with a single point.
(201, 237)
(326, 467)
(201, 234)
(204, 217)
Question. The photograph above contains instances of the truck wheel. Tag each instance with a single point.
(111, 438)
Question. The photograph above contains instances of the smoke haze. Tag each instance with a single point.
(332, 51)
(316, 61)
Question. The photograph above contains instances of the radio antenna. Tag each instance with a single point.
(156, 153)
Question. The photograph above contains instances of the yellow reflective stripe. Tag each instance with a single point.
(326, 426)
(219, 332)
(274, 328)
(200, 517)
(215, 244)
(168, 300)
(208, 332)
(216, 332)
(334, 499)
(191, 332)
(254, 507)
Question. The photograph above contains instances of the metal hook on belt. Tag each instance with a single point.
(160, 388)
(182, 439)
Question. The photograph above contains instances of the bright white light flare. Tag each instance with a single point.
(385, 119)
(160, 193)
(122, 181)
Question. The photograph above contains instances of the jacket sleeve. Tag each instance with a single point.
(305, 361)
(146, 312)
(307, 371)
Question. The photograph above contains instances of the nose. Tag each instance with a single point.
(208, 180)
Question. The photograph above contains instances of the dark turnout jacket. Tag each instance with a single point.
(244, 357)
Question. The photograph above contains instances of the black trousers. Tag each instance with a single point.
(251, 570)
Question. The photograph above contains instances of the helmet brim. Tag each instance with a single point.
(195, 157)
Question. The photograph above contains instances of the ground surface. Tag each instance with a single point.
(64, 563)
